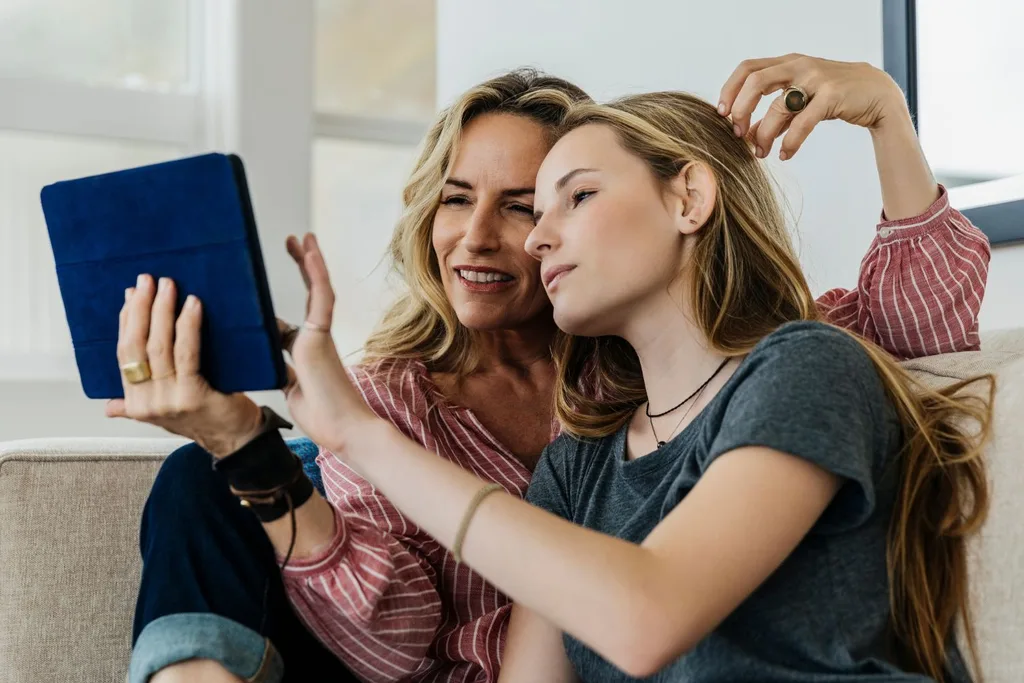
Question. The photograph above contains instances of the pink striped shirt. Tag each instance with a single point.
(391, 602)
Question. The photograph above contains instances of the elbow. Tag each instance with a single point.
(658, 633)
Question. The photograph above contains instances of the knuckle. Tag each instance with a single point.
(806, 63)
(155, 348)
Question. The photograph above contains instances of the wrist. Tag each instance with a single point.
(894, 118)
(360, 437)
(249, 426)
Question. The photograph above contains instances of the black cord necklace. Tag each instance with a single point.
(699, 390)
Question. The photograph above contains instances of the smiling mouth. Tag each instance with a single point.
(484, 281)
(483, 277)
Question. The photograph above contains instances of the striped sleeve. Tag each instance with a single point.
(371, 596)
(920, 287)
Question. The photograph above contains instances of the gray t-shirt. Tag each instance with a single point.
(808, 390)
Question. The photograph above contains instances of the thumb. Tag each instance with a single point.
(116, 408)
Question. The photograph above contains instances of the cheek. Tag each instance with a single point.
(444, 235)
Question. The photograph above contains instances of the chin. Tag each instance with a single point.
(579, 322)
(475, 318)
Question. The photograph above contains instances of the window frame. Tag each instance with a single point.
(997, 206)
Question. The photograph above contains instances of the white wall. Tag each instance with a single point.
(612, 47)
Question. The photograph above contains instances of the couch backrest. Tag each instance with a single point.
(69, 560)
(997, 557)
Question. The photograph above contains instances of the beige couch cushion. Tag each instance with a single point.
(997, 558)
(69, 560)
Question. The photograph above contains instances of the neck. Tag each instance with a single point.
(674, 354)
(522, 349)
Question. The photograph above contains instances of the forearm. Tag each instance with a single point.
(908, 186)
(315, 529)
(534, 651)
(509, 539)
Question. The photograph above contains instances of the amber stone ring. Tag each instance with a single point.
(795, 99)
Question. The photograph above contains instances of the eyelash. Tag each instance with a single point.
(459, 200)
(580, 196)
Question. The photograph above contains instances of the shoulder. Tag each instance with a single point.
(813, 345)
(813, 365)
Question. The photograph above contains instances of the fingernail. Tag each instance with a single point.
(164, 284)
(783, 156)
(140, 281)
(191, 301)
(760, 153)
(721, 108)
(128, 293)
(736, 129)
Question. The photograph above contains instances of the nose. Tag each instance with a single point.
(541, 239)
(483, 232)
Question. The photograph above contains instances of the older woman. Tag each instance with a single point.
(462, 366)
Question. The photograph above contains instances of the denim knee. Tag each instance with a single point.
(178, 638)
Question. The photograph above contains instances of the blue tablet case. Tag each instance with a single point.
(190, 220)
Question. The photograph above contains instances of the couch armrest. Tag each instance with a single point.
(69, 560)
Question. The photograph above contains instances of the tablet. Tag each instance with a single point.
(190, 220)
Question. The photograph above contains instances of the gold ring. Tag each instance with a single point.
(136, 372)
(795, 99)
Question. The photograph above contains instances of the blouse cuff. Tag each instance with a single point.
(935, 215)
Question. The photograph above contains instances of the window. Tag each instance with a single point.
(955, 62)
(90, 87)
(87, 88)
(120, 43)
(374, 98)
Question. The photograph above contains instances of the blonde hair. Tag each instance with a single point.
(422, 324)
(745, 282)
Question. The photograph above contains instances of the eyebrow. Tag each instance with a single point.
(560, 185)
(514, 192)
(564, 180)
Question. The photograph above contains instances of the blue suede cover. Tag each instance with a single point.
(190, 220)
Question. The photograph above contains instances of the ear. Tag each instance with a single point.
(695, 192)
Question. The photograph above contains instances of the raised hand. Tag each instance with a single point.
(321, 398)
(857, 93)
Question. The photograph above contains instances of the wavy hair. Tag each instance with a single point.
(744, 282)
(422, 324)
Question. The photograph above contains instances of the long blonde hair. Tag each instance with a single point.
(422, 324)
(745, 283)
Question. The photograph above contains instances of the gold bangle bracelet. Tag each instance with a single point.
(460, 536)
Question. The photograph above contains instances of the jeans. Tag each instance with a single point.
(211, 587)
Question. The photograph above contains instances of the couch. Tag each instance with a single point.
(69, 514)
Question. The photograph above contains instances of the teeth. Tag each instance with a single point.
(474, 276)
